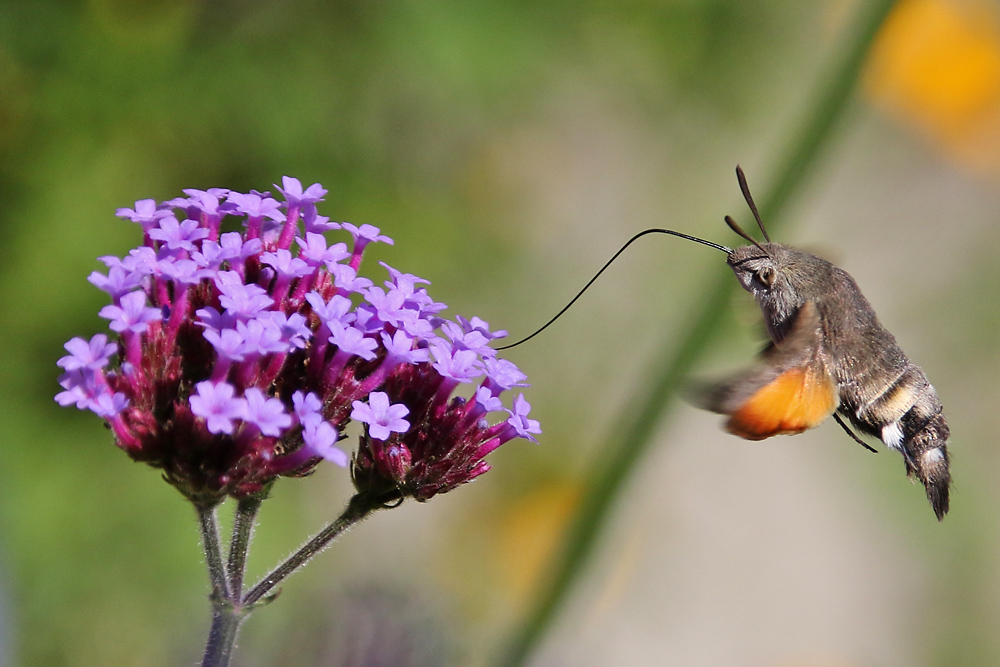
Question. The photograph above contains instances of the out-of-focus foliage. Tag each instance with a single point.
(509, 147)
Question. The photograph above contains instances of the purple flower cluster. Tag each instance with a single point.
(241, 356)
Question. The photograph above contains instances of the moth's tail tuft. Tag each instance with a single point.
(927, 460)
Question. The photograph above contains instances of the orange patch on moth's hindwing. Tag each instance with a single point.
(798, 399)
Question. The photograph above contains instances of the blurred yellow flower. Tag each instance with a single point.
(530, 533)
(936, 66)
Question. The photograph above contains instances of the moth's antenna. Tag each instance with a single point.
(739, 230)
(741, 177)
(632, 240)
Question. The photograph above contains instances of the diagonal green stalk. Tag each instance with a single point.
(359, 507)
(613, 467)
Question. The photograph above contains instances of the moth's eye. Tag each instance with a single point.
(766, 276)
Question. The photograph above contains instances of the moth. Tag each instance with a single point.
(829, 356)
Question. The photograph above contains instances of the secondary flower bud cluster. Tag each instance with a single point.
(238, 356)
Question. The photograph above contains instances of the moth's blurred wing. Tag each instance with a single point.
(788, 391)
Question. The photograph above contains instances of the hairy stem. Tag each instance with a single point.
(213, 551)
(226, 618)
(243, 524)
(226, 621)
(360, 506)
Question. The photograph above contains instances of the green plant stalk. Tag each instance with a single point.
(229, 607)
(226, 618)
(226, 621)
(613, 467)
(208, 523)
(359, 507)
(239, 545)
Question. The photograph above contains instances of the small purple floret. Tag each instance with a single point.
(93, 355)
(382, 418)
(145, 213)
(256, 206)
(133, 315)
(352, 341)
(366, 233)
(178, 235)
(119, 281)
(267, 414)
(459, 365)
(308, 408)
(292, 191)
(320, 438)
(217, 404)
(519, 419)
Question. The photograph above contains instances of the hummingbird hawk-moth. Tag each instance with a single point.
(829, 355)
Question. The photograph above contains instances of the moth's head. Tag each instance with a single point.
(771, 272)
(780, 278)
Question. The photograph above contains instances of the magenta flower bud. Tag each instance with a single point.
(396, 461)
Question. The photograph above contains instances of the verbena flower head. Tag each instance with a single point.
(237, 357)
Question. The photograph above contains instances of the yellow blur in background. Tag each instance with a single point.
(936, 67)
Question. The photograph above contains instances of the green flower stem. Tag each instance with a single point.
(213, 550)
(225, 618)
(243, 523)
(228, 611)
(359, 507)
(632, 435)
(226, 621)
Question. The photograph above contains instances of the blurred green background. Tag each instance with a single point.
(509, 148)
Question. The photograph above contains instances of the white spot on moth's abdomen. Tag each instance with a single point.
(892, 435)
(933, 456)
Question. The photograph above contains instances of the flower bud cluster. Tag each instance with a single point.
(238, 356)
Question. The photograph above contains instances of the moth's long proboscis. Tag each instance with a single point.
(597, 275)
